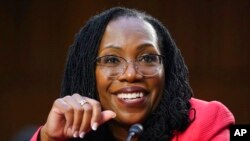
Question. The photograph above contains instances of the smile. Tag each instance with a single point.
(130, 96)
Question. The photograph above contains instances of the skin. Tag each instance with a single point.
(127, 38)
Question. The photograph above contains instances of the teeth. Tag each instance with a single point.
(130, 95)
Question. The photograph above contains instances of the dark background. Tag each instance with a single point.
(213, 36)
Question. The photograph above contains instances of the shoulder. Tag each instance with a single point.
(210, 121)
(211, 111)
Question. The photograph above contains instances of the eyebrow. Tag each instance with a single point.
(112, 46)
(139, 48)
(145, 45)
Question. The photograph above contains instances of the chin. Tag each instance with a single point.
(130, 119)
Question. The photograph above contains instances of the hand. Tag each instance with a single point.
(68, 118)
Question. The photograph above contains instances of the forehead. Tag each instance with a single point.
(130, 24)
(128, 30)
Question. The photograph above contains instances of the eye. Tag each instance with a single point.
(148, 59)
(109, 60)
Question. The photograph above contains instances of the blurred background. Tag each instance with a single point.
(35, 35)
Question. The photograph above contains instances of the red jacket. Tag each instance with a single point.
(211, 121)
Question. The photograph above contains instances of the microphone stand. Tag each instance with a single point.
(135, 129)
(130, 135)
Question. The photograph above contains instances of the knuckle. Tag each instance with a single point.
(69, 109)
(97, 104)
(77, 125)
(67, 97)
(79, 109)
(75, 94)
(84, 128)
(88, 109)
(57, 101)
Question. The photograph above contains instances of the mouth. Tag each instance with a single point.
(132, 96)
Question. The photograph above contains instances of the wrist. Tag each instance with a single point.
(44, 136)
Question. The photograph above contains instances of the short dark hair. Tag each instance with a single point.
(172, 112)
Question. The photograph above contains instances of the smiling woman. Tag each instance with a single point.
(135, 91)
(123, 69)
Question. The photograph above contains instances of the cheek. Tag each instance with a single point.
(100, 81)
(157, 87)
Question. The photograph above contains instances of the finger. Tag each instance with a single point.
(86, 120)
(64, 110)
(78, 114)
(107, 115)
(96, 115)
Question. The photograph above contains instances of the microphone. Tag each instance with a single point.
(135, 129)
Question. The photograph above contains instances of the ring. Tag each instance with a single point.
(83, 101)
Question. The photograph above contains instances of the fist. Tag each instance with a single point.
(73, 116)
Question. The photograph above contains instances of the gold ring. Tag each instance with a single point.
(83, 101)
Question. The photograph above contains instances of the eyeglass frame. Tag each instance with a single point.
(161, 58)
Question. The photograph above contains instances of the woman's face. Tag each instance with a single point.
(130, 95)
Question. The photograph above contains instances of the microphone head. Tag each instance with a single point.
(136, 129)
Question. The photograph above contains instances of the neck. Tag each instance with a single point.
(120, 132)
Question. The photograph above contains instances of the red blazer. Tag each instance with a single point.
(211, 121)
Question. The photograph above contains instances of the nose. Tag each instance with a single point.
(130, 74)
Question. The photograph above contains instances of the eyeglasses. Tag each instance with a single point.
(146, 65)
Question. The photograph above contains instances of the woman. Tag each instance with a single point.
(124, 68)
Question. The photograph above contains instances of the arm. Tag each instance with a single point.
(222, 119)
(224, 135)
(211, 123)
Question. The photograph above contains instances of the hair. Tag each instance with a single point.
(172, 112)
